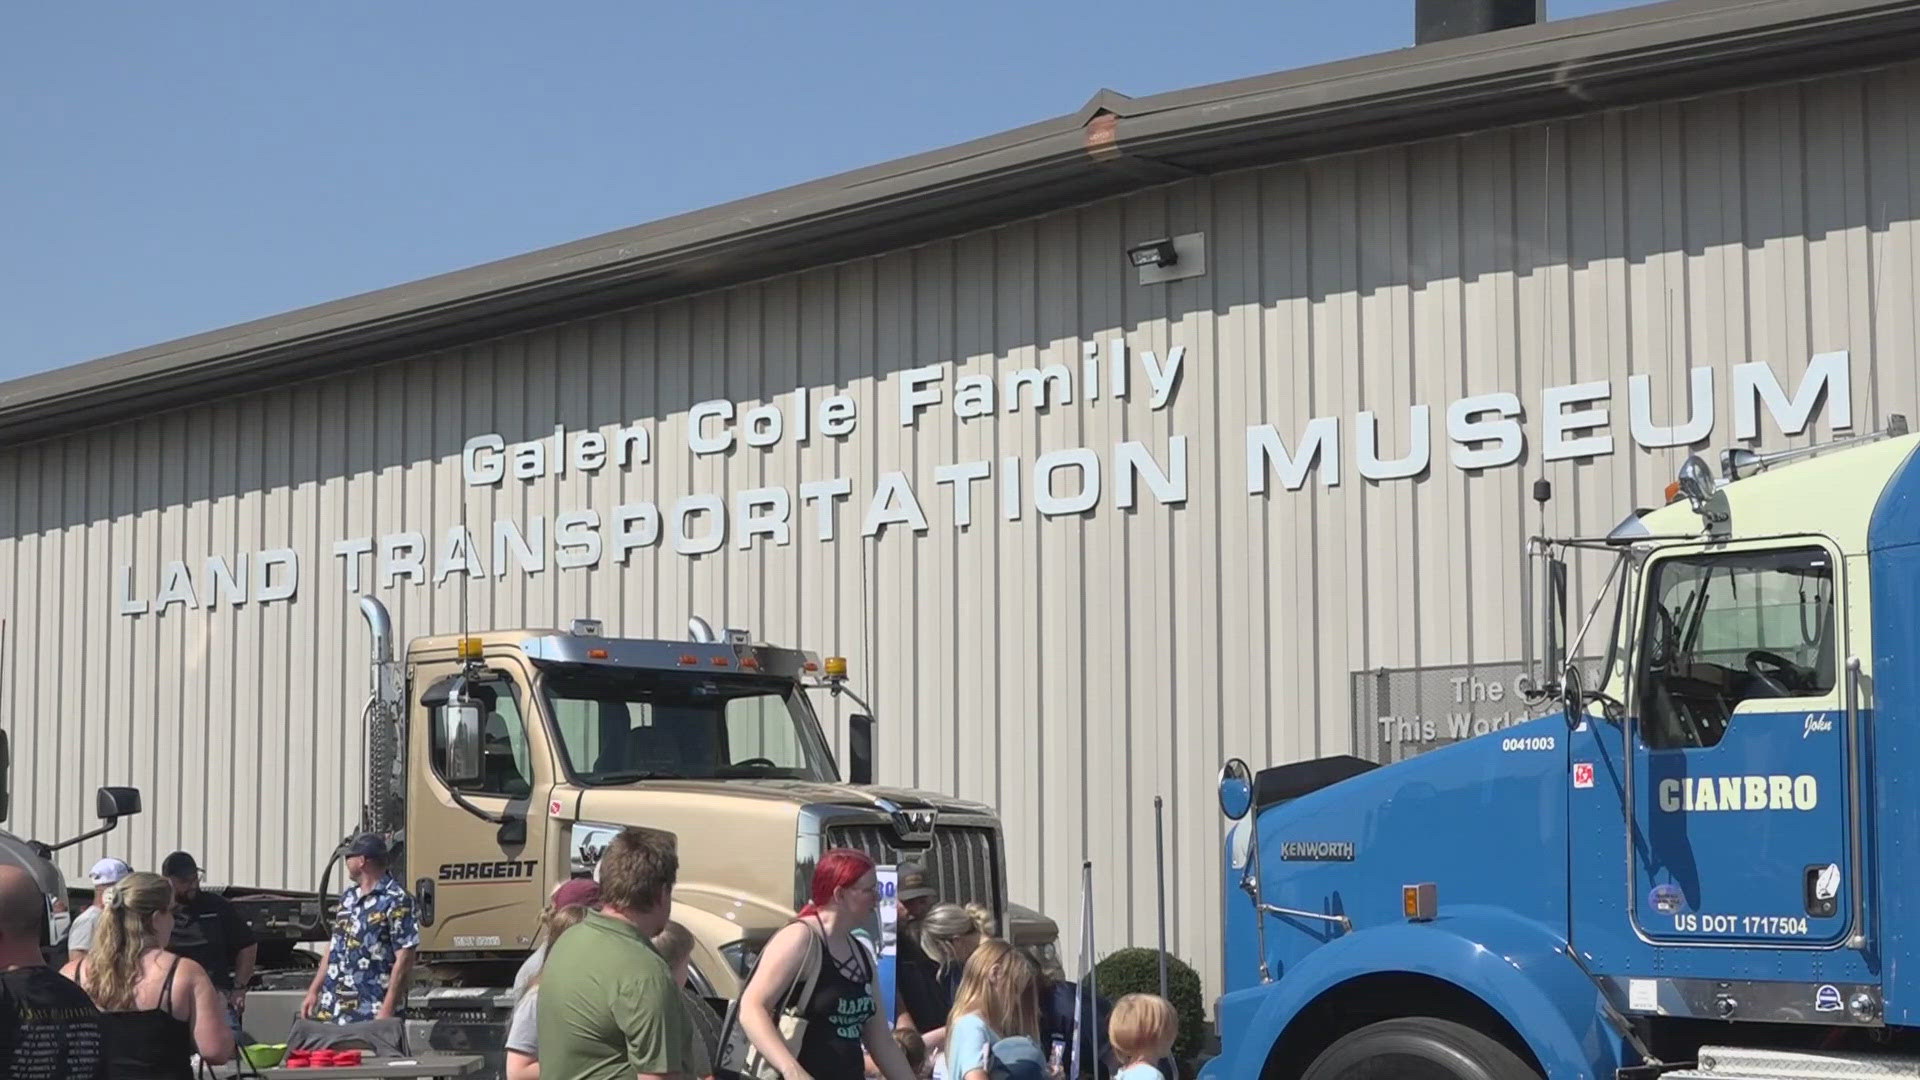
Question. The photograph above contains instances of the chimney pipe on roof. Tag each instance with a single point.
(1440, 20)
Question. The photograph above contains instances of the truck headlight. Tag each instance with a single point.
(740, 956)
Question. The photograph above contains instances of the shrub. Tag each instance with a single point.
(1137, 971)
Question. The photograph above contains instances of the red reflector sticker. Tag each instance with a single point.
(1583, 774)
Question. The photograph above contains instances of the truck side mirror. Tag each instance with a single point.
(460, 735)
(860, 749)
(6, 776)
(113, 803)
(110, 804)
(1236, 789)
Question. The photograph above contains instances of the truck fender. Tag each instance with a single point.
(716, 919)
(1514, 966)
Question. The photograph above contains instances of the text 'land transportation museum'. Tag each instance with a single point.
(1177, 428)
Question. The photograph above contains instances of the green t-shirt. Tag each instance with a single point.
(608, 1008)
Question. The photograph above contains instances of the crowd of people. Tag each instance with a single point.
(606, 992)
(158, 972)
(158, 969)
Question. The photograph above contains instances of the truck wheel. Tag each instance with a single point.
(1418, 1048)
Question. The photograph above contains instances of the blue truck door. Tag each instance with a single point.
(1741, 809)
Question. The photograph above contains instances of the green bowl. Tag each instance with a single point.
(264, 1055)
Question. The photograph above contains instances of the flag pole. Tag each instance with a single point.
(1160, 881)
(1086, 967)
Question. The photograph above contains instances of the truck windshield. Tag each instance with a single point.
(618, 727)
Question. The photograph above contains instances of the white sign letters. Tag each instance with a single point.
(1484, 431)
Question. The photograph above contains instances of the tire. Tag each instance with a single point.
(1418, 1048)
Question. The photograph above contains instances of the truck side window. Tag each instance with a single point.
(1726, 628)
(503, 744)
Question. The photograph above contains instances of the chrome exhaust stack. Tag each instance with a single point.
(385, 724)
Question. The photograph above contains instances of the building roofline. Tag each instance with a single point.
(1112, 145)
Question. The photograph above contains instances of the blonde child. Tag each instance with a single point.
(1142, 1029)
(998, 999)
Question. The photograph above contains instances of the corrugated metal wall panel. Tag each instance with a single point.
(1068, 668)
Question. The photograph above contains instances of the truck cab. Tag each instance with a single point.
(528, 750)
(500, 764)
(1696, 863)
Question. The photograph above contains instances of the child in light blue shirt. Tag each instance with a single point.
(968, 1041)
(1142, 1030)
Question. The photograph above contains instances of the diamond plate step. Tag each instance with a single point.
(1742, 1063)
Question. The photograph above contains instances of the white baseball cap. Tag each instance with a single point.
(108, 871)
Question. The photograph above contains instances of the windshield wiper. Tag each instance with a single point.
(633, 776)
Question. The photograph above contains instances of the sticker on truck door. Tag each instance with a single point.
(590, 840)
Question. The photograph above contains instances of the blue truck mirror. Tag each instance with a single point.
(1236, 789)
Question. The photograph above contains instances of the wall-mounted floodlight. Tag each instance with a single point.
(1169, 259)
(1156, 253)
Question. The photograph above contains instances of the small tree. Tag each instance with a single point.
(1137, 971)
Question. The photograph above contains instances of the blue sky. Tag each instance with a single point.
(175, 168)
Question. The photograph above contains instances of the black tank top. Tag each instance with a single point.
(149, 1044)
(841, 1005)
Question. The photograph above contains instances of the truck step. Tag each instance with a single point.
(1743, 1063)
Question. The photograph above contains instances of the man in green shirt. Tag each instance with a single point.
(608, 1007)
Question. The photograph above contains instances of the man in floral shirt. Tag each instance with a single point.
(363, 974)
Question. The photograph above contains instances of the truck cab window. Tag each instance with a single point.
(619, 728)
(503, 744)
(1721, 629)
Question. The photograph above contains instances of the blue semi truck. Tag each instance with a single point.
(1703, 861)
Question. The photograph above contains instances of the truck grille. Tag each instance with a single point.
(960, 863)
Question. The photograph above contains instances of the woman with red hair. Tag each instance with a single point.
(815, 970)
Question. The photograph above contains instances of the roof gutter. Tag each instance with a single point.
(1114, 145)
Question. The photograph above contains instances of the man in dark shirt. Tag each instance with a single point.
(207, 929)
(49, 1028)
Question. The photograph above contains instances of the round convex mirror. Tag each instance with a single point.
(1236, 789)
(1696, 481)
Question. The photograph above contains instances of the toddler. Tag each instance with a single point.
(1142, 1030)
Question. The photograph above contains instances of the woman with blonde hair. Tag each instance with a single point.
(523, 1030)
(157, 1009)
(928, 969)
(998, 999)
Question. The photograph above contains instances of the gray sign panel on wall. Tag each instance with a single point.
(1401, 712)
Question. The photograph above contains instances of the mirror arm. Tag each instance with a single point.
(467, 804)
(1542, 673)
(85, 836)
(838, 688)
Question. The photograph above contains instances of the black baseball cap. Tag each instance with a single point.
(179, 865)
(371, 845)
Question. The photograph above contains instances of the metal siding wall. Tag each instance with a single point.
(1065, 669)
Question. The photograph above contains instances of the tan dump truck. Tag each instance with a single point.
(502, 762)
